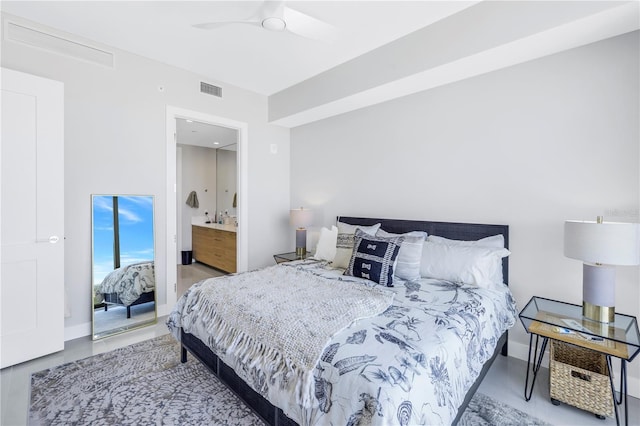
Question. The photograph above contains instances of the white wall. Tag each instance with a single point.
(115, 142)
(529, 146)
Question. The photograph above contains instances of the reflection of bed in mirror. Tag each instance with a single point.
(129, 286)
(123, 272)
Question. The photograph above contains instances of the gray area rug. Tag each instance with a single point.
(145, 384)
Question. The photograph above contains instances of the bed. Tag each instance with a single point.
(128, 286)
(417, 361)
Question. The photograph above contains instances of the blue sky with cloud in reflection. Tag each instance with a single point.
(135, 217)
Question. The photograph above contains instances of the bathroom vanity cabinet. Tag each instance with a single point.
(215, 245)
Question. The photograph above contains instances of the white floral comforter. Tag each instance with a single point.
(130, 281)
(411, 365)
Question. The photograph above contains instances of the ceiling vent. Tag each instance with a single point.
(210, 89)
(52, 43)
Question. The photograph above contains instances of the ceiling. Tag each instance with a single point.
(189, 132)
(381, 50)
(163, 31)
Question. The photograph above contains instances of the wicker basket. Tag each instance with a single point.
(580, 377)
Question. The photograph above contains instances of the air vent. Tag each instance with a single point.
(210, 89)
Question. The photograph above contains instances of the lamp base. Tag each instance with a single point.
(604, 314)
(301, 242)
(598, 292)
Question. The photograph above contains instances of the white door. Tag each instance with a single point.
(31, 218)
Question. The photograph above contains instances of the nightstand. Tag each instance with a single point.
(289, 257)
(575, 338)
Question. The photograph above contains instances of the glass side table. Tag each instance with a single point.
(559, 321)
(289, 257)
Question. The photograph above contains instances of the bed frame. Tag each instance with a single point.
(275, 416)
(113, 299)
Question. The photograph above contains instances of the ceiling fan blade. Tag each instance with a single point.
(255, 18)
(214, 25)
(309, 27)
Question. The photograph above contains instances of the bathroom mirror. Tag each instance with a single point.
(123, 253)
(226, 177)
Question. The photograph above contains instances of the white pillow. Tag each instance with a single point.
(496, 241)
(407, 266)
(326, 248)
(344, 244)
(463, 264)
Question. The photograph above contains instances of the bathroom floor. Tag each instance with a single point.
(191, 274)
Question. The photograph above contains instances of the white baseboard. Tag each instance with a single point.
(77, 331)
(85, 329)
(633, 387)
(163, 310)
(520, 351)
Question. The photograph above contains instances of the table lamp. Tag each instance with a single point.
(301, 218)
(601, 245)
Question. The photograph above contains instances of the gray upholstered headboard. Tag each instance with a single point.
(451, 230)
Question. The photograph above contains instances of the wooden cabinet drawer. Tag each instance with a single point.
(214, 247)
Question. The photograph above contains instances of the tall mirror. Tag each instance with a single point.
(226, 177)
(123, 277)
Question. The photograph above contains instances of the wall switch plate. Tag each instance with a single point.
(274, 148)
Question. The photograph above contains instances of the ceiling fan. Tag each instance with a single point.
(276, 16)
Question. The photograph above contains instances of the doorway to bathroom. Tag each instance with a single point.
(215, 173)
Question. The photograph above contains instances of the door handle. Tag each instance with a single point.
(52, 239)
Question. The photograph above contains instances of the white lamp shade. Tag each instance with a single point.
(609, 243)
(301, 218)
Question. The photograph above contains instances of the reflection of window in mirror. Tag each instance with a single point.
(123, 233)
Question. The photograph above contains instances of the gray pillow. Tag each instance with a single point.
(408, 261)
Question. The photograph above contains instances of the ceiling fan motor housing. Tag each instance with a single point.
(274, 23)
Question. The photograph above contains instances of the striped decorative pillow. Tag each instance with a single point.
(407, 265)
(344, 244)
